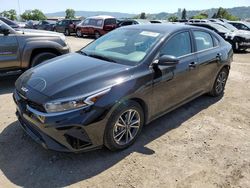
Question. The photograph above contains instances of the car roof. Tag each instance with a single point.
(101, 17)
(162, 28)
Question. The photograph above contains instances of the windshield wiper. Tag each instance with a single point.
(102, 58)
(83, 53)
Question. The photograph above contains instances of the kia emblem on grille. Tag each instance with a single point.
(24, 89)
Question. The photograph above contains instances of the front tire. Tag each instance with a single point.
(220, 83)
(124, 126)
(67, 32)
(39, 58)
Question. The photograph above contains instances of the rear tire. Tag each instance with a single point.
(220, 83)
(97, 35)
(39, 58)
(123, 129)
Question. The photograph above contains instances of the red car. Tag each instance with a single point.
(96, 26)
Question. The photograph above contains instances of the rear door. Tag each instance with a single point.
(9, 50)
(174, 85)
(209, 55)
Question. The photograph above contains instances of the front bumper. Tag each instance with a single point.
(75, 131)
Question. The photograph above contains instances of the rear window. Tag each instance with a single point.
(203, 40)
(8, 22)
(110, 21)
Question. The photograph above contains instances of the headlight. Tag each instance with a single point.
(71, 104)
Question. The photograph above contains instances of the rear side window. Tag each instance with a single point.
(203, 40)
(216, 41)
(178, 45)
(110, 21)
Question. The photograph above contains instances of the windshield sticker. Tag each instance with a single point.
(149, 33)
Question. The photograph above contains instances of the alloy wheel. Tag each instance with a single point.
(221, 82)
(126, 127)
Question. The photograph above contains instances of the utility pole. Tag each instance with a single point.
(19, 9)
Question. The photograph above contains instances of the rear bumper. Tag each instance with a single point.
(68, 132)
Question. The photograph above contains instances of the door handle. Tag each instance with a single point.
(192, 65)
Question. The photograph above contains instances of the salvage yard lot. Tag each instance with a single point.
(205, 143)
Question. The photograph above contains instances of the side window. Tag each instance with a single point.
(92, 22)
(110, 21)
(178, 45)
(203, 40)
(216, 41)
(99, 23)
(86, 22)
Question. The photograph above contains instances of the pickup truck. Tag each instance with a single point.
(21, 49)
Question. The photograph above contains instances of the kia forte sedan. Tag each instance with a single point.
(104, 94)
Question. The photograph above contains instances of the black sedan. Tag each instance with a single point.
(105, 93)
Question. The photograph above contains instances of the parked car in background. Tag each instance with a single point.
(126, 22)
(240, 25)
(46, 25)
(96, 26)
(198, 21)
(26, 48)
(105, 93)
(67, 26)
(238, 39)
(31, 24)
(9, 22)
(158, 21)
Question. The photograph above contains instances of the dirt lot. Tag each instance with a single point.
(205, 143)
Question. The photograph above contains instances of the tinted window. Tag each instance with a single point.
(203, 40)
(110, 21)
(127, 23)
(177, 46)
(99, 23)
(92, 22)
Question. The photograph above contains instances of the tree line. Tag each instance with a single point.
(221, 13)
(33, 14)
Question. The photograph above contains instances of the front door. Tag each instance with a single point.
(9, 53)
(175, 85)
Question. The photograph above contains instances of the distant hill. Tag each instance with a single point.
(241, 12)
(92, 13)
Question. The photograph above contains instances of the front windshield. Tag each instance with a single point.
(220, 28)
(228, 26)
(126, 45)
(5, 26)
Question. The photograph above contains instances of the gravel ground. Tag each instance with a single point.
(205, 143)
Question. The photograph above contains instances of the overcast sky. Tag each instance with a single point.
(128, 6)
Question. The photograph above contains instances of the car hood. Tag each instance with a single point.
(240, 33)
(34, 32)
(71, 75)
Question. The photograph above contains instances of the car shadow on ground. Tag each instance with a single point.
(7, 84)
(27, 164)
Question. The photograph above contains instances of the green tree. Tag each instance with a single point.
(33, 15)
(184, 14)
(224, 14)
(143, 15)
(10, 14)
(173, 19)
(200, 16)
(70, 13)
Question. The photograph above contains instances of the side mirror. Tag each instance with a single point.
(4, 31)
(167, 60)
